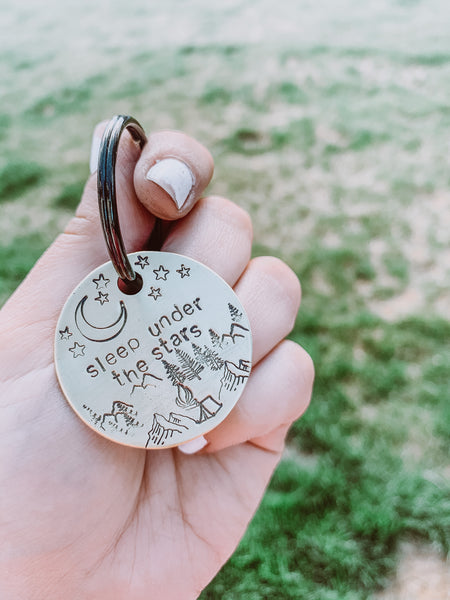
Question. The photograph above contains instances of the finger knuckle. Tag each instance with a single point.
(299, 376)
(230, 212)
(284, 286)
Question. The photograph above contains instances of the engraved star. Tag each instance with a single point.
(77, 350)
(142, 261)
(65, 333)
(101, 282)
(161, 273)
(155, 293)
(102, 298)
(184, 271)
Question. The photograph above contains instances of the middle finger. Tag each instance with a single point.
(218, 234)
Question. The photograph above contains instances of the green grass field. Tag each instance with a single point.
(330, 125)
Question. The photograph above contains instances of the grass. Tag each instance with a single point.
(16, 260)
(70, 195)
(347, 493)
(17, 176)
(339, 151)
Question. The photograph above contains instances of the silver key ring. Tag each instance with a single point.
(106, 190)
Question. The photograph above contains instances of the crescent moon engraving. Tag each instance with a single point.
(99, 334)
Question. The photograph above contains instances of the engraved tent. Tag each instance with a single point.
(208, 408)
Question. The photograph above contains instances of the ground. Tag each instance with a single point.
(330, 123)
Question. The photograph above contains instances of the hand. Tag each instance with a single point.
(84, 518)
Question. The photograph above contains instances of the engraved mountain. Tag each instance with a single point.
(236, 332)
(122, 417)
(165, 429)
(234, 375)
(148, 380)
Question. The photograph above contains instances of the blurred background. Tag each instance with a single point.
(329, 122)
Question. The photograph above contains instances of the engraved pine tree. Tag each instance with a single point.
(174, 373)
(235, 313)
(208, 357)
(215, 339)
(191, 368)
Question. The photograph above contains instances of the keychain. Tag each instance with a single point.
(152, 349)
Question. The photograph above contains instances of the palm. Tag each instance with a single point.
(128, 517)
(194, 511)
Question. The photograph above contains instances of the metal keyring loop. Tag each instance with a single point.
(106, 190)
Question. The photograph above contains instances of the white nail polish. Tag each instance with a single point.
(174, 177)
(95, 150)
(193, 446)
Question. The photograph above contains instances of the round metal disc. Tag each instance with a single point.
(159, 367)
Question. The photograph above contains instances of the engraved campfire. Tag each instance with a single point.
(208, 407)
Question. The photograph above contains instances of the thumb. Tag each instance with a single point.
(81, 247)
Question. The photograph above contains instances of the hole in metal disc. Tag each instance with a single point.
(130, 287)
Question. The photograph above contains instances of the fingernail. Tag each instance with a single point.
(95, 146)
(193, 446)
(174, 177)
